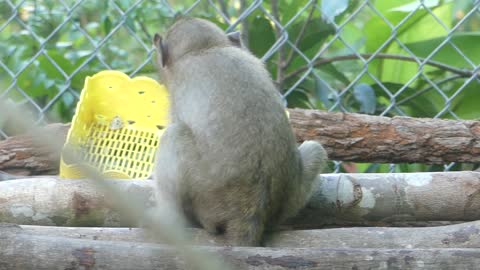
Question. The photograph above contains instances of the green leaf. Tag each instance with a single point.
(130, 23)
(315, 34)
(77, 57)
(35, 88)
(289, 8)
(92, 27)
(261, 36)
(63, 44)
(413, 6)
(425, 105)
(465, 42)
(105, 6)
(386, 6)
(421, 26)
(68, 99)
(323, 92)
(298, 99)
(125, 4)
(330, 9)
(107, 24)
(365, 95)
(78, 80)
(60, 60)
(48, 83)
(335, 73)
(466, 104)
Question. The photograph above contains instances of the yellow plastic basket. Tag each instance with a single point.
(117, 126)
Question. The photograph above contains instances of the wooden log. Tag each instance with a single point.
(346, 136)
(367, 138)
(19, 155)
(384, 199)
(338, 199)
(60, 202)
(465, 235)
(26, 251)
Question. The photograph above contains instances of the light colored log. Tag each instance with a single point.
(338, 199)
(52, 201)
(26, 251)
(465, 235)
(384, 199)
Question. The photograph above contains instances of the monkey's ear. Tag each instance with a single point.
(235, 38)
(161, 48)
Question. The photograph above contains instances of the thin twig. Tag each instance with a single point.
(427, 89)
(367, 56)
(245, 37)
(145, 30)
(281, 51)
(300, 35)
(224, 8)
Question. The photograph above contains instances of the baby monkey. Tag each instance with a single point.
(228, 159)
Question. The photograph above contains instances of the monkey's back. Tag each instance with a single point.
(240, 127)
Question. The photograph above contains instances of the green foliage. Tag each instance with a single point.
(263, 32)
(50, 47)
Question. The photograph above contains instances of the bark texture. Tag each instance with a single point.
(26, 251)
(366, 138)
(346, 136)
(20, 155)
(338, 199)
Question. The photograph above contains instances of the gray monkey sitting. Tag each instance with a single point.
(228, 160)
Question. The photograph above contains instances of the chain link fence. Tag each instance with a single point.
(410, 58)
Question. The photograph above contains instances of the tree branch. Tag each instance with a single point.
(245, 26)
(369, 57)
(281, 51)
(224, 8)
(378, 139)
(346, 136)
(423, 91)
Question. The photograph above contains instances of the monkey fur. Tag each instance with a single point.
(228, 159)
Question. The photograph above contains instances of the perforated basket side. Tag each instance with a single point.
(128, 150)
(125, 150)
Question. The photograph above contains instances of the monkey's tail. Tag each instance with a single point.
(314, 157)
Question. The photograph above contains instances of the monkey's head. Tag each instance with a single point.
(191, 35)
